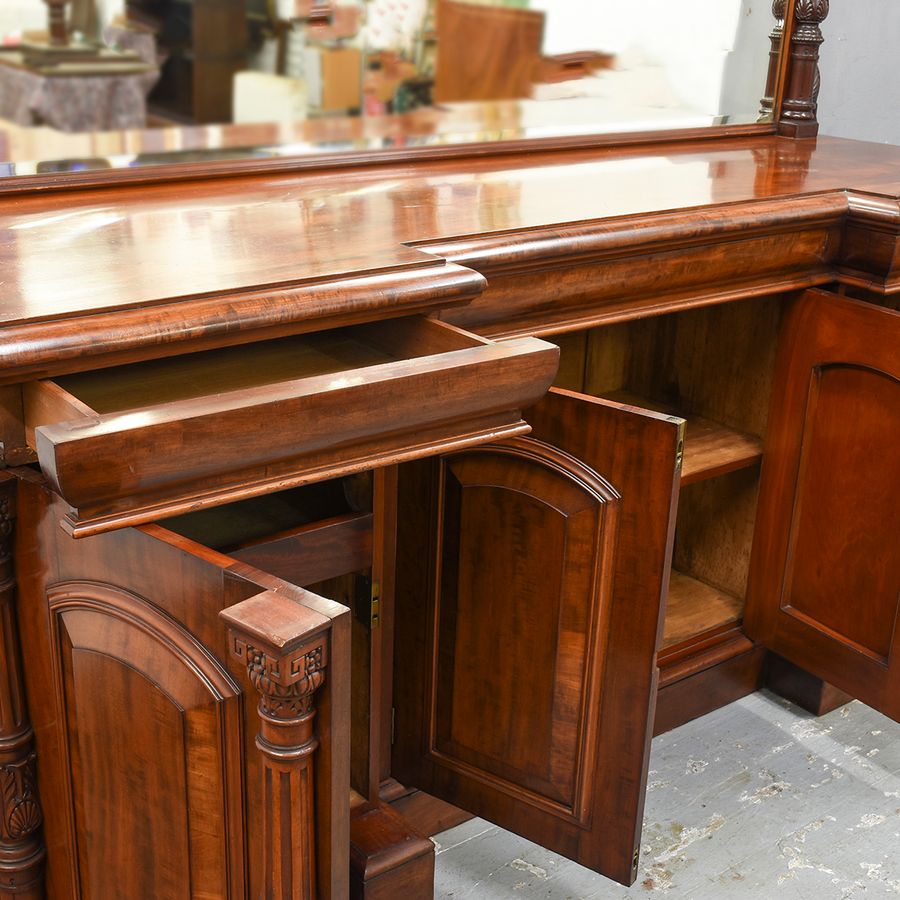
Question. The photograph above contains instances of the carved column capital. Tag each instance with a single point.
(286, 684)
(811, 12)
(808, 17)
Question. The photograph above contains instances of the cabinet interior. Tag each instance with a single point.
(256, 520)
(321, 531)
(714, 367)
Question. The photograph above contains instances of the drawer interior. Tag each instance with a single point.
(212, 372)
(714, 367)
(139, 442)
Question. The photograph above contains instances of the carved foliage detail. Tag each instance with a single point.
(6, 523)
(810, 15)
(286, 685)
(813, 11)
(21, 811)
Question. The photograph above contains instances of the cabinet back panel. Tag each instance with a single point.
(714, 530)
(572, 360)
(724, 358)
(714, 362)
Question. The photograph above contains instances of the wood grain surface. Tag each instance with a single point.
(225, 260)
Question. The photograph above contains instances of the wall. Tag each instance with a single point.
(860, 95)
(22, 15)
(713, 53)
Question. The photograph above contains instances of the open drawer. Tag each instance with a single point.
(132, 443)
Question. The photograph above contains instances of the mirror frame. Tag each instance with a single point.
(793, 79)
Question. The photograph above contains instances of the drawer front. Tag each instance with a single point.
(132, 465)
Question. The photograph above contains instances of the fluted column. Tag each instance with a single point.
(286, 666)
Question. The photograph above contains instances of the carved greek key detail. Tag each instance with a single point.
(21, 810)
(286, 685)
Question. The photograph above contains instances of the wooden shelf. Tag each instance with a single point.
(710, 449)
(694, 607)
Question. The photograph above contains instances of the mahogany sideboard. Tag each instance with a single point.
(277, 546)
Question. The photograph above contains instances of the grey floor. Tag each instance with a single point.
(757, 799)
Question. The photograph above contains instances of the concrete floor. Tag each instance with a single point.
(758, 799)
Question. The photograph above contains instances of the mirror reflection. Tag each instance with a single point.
(99, 83)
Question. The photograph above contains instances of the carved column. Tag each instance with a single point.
(285, 664)
(800, 99)
(21, 845)
(767, 104)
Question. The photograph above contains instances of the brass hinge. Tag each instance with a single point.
(679, 450)
(375, 605)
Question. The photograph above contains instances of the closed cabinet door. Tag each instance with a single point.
(144, 708)
(824, 590)
(530, 584)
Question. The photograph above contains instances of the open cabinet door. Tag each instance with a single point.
(530, 584)
(824, 588)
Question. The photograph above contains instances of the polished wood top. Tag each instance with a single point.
(76, 254)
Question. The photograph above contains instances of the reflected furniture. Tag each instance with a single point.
(203, 44)
(486, 52)
(75, 96)
(297, 548)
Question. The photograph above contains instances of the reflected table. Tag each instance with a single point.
(75, 96)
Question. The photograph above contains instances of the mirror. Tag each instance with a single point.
(100, 84)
